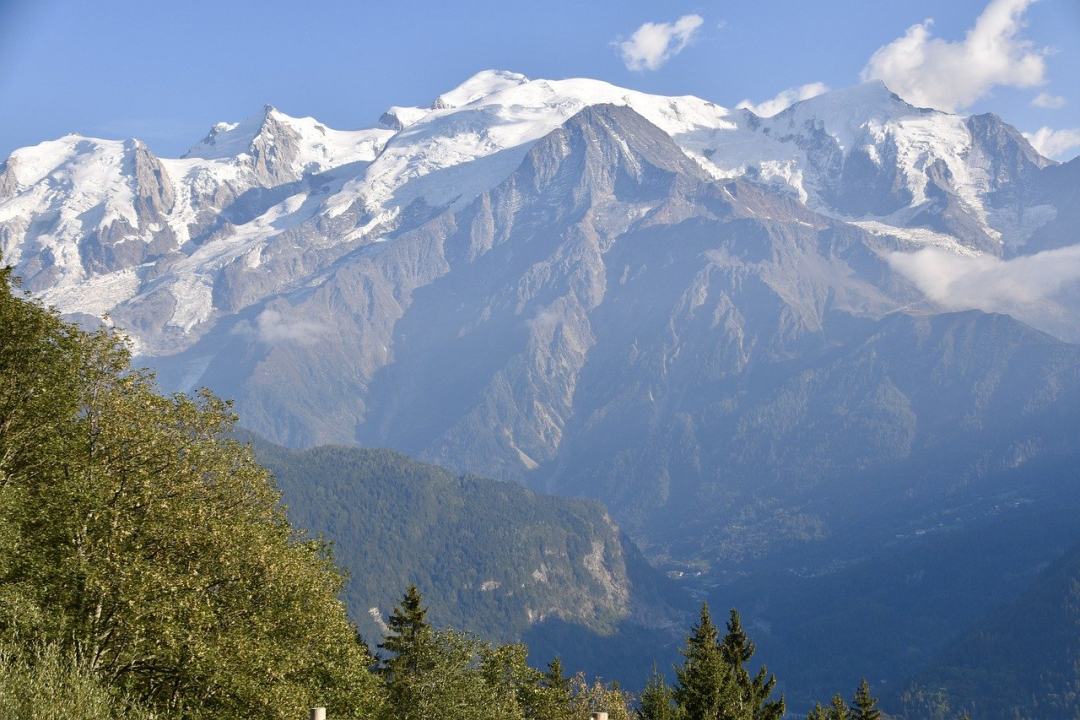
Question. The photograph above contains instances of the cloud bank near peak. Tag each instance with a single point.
(653, 44)
(1042, 289)
(929, 71)
(1057, 144)
(784, 99)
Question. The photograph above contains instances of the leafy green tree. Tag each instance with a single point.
(451, 675)
(737, 649)
(35, 686)
(657, 699)
(865, 704)
(445, 681)
(704, 689)
(818, 712)
(517, 687)
(136, 538)
(597, 696)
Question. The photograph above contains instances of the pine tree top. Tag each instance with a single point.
(407, 622)
(738, 648)
(839, 709)
(865, 703)
(705, 633)
(555, 678)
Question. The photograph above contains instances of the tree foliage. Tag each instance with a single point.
(138, 539)
(657, 699)
(713, 681)
(753, 692)
(864, 704)
(863, 707)
(452, 675)
(34, 689)
(704, 687)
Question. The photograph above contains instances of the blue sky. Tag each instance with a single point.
(166, 71)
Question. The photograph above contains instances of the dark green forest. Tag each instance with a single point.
(493, 558)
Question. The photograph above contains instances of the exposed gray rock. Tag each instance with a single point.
(8, 184)
(153, 189)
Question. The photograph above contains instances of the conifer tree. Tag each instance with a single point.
(865, 703)
(514, 686)
(839, 709)
(554, 678)
(556, 696)
(704, 689)
(657, 699)
(817, 713)
(409, 633)
(737, 649)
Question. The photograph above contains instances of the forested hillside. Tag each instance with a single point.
(493, 557)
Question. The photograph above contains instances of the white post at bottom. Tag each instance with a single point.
(320, 714)
(598, 716)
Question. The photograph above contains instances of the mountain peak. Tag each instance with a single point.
(229, 139)
(480, 85)
(632, 135)
(872, 98)
(608, 150)
(398, 117)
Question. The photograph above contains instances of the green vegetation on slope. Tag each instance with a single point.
(493, 558)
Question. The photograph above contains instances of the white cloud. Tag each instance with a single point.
(1031, 288)
(784, 99)
(653, 44)
(272, 327)
(928, 71)
(1057, 144)
(1048, 101)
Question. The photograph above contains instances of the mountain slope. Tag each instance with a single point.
(889, 609)
(610, 321)
(902, 414)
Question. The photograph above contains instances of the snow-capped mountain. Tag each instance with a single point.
(689, 312)
(282, 149)
(93, 224)
(98, 226)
